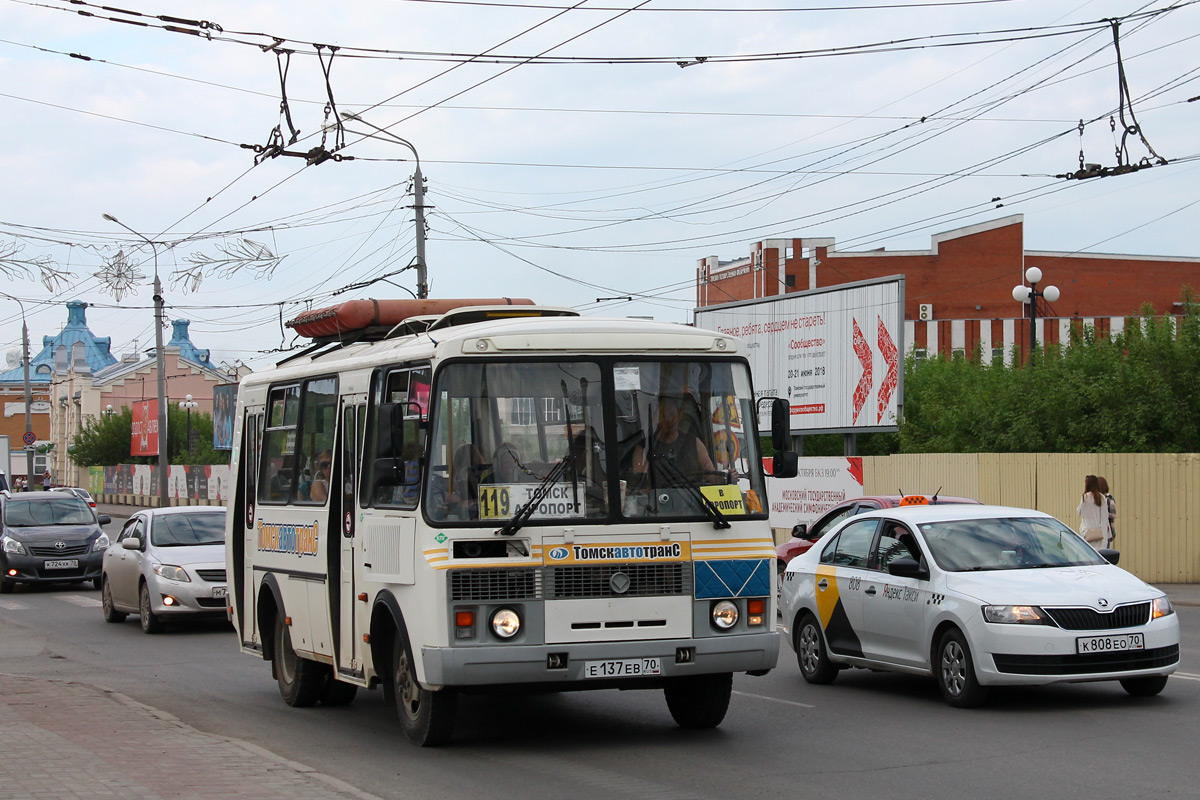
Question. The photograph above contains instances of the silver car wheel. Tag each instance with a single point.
(954, 668)
(810, 648)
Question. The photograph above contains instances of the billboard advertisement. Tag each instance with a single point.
(819, 485)
(144, 441)
(224, 401)
(834, 354)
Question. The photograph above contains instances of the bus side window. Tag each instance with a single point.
(395, 477)
(315, 452)
(279, 445)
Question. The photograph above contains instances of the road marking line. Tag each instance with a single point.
(80, 600)
(1187, 676)
(13, 605)
(774, 699)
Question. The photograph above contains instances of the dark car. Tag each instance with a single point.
(803, 536)
(49, 537)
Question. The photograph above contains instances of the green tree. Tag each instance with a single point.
(105, 441)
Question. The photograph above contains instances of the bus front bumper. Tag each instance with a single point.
(566, 663)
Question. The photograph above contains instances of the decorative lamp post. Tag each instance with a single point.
(188, 404)
(164, 460)
(29, 437)
(1029, 295)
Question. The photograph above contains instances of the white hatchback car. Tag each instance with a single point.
(166, 562)
(975, 596)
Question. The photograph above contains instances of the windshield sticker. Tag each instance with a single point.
(502, 501)
(727, 499)
(298, 540)
(576, 554)
(627, 379)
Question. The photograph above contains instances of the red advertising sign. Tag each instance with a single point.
(145, 429)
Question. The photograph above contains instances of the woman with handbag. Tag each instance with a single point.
(1112, 509)
(1093, 514)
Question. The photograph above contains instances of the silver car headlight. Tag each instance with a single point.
(1026, 615)
(172, 573)
(1162, 608)
(13, 547)
(101, 543)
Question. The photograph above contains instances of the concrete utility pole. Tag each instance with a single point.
(164, 460)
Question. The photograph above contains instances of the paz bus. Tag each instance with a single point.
(439, 497)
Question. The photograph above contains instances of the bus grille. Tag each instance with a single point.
(495, 584)
(1085, 619)
(595, 580)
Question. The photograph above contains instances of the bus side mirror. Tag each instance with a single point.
(781, 424)
(389, 434)
(784, 465)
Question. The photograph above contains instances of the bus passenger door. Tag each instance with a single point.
(345, 605)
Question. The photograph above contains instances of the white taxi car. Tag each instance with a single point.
(975, 596)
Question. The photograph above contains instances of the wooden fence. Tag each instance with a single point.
(1157, 494)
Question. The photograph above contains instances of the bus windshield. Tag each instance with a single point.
(592, 440)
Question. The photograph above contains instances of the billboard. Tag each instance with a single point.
(819, 485)
(834, 354)
(144, 440)
(224, 401)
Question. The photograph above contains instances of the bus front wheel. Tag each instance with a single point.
(699, 701)
(300, 680)
(427, 717)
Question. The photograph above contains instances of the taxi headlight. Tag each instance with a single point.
(101, 543)
(1028, 615)
(506, 623)
(1162, 608)
(172, 573)
(725, 614)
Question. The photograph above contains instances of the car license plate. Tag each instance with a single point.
(1110, 644)
(65, 563)
(622, 668)
(218, 591)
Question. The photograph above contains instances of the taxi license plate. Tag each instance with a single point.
(1110, 644)
(622, 668)
(219, 591)
(65, 563)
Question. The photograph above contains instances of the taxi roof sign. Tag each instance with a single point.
(914, 500)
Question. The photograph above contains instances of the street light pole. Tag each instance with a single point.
(164, 460)
(418, 202)
(28, 393)
(188, 404)
(1029, 295)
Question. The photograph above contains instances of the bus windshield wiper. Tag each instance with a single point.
(679, 479)
(526, 511)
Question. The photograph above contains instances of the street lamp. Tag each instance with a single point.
(29, 438)
(1029, 295)
(164, 461)
(108, 410)
(418, 201)
(188, 404)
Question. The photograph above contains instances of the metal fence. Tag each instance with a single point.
(1157, 494)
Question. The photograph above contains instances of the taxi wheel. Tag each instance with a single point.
(814, 663)
(300, 680)
(106, 604)
(427, 717)
(1145, 687)
(699, 701)
(955, 669)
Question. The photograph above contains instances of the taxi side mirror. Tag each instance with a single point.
(907, 568)
(131, 543)
(1111, 556)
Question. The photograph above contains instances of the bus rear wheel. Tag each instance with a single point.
(300, 680)
(699, 701)
(426, 717)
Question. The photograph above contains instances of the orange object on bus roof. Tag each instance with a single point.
(355, 315)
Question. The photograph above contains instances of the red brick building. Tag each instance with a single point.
(958, 294)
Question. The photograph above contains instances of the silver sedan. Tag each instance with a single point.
(165, 563)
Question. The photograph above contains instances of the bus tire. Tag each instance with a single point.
(699, 701)
(300, 680)
(337, 693)
(426, 717)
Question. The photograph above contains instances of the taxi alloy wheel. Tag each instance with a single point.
(106, 605)
(814, 663)
(150, 621)
(956, 672)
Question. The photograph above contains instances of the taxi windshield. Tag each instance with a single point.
(1006, 543)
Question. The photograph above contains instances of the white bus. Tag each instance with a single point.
(494, 495)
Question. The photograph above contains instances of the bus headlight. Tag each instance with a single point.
(725, 614)
(506, 623)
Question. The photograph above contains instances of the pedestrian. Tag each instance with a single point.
(1112, 509)
(1093, 514)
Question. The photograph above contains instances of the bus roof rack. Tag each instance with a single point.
(372, 320)
(465, 316)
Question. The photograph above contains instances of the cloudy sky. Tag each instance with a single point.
(571, 151)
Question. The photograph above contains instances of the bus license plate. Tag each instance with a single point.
(1110, 644)
(219, 591)
(66, 563)
(622, 668)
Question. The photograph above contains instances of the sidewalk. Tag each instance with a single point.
(69, 740)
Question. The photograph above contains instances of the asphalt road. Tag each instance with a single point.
(868, 735)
